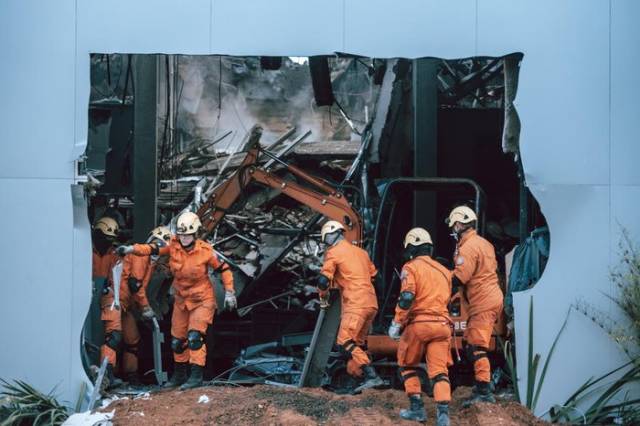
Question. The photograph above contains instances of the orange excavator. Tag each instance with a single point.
(330, 202)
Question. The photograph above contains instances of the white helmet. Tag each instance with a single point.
(329, 227)
(188, 223)
(160, 233)
(417, 237)
(462, 214)
(107, 226)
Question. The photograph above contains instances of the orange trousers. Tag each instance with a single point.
(432, 338)
(112, 323)
(184, 320)
(131, 337)
(478, 334)
(352, 336)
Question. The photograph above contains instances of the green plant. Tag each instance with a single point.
(612, 401)
(601, 399)
(25, 405)
(534, 383)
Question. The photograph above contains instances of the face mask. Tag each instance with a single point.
(455, 235)
(186, 240)
(332, 238)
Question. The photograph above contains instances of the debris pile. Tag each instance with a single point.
(261, 405)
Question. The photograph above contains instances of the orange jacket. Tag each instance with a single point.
(190, 270)
(350, 269)
(476, 268)
(430, 282)
(139, 268)
(103, 263)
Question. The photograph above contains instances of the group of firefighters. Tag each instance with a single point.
(421, 323)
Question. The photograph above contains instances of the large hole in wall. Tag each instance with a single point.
(167, 131)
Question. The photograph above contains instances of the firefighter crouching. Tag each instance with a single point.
(423, 319)
(195, 302)
(350, 269)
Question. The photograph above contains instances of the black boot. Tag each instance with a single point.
(179, 375)
(195, 379)
(442, 414)
(133, 379)
(371, 379)
(109, 381)
(416, 409)
(481, 393)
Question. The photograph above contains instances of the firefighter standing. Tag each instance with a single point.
(105, 232)
(350, 269)
(423, 314)
(136, 274)
(195, 302)
(475, 270)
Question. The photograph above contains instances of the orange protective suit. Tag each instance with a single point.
(195, 301)
(138, 269)
(427, 326)
(350, 270)
(101, 267)
(476, 268)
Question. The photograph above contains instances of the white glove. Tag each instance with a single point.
(230, 301)
(124, 250)
(147, 313)
(394, 330)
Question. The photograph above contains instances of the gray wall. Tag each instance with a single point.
(577, 102)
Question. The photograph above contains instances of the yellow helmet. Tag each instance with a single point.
(188, 223)
(462, 214)
(329, 227)
(417, 237)
(107, 226)
(161, 233)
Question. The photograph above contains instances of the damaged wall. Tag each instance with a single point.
(576, 99)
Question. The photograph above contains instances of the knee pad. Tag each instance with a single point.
(134, 285)
(195, 339)
(475, 353)
(347, 348)
(442, 377)
(132, 349)
(407, 373)
(113, 339)
(177, 345)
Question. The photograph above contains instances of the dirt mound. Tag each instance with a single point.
(266, 405)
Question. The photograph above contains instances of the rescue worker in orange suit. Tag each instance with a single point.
(105, 232)
(476, 273)
(195, 302)
(349, 269)
(422, 316)
(136, 274)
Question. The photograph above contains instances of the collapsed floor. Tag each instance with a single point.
(285, 406)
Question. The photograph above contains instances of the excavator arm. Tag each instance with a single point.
(318, 195)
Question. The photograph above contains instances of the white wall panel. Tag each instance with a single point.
(412, 28)
(37, 40)
(277, 27)
(625, 92)
(36, 304)
(563, 94)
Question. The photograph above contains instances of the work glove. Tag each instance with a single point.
(124, 250)
(394, 330)
(134, 285)
(148, 314)
(230, 301)
(324, 301)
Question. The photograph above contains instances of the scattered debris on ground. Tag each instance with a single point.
(266, 405)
